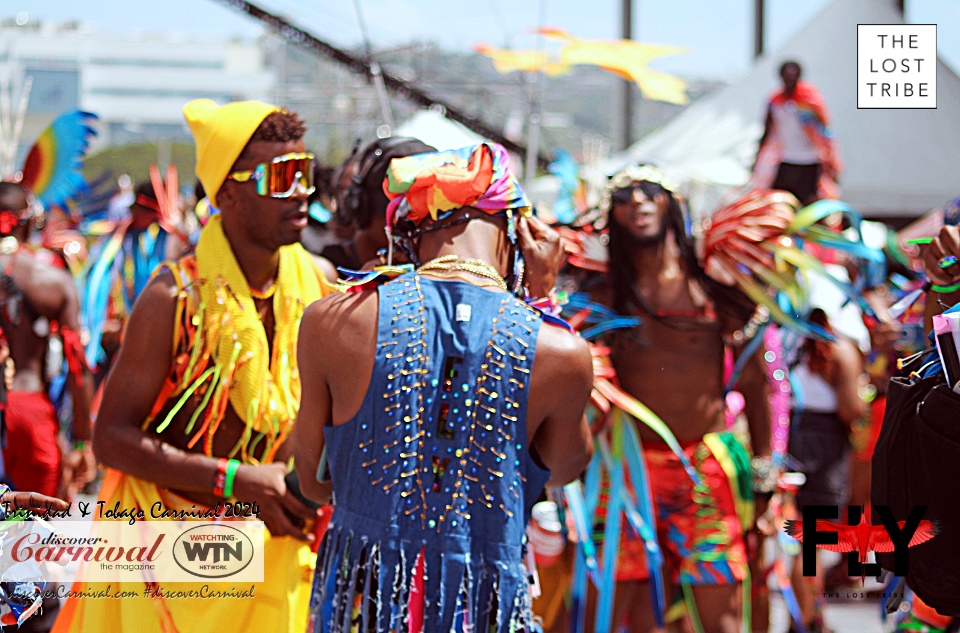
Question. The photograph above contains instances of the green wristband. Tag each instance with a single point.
(232, 467)
(945, 289)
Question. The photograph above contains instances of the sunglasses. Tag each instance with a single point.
(279, 178)
(624, 195)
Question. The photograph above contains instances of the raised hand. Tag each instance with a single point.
(543, 253)
(941, 257)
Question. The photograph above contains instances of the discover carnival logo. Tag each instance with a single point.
(118, 551)
(213, 551)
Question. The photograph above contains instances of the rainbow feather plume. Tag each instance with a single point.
(756, 244)
(52, 169)
(747, 244)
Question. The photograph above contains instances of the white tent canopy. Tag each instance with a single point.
(897, 162)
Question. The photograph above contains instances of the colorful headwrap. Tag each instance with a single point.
(437, 183)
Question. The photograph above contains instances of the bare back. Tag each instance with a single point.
(45, 296)
(334, 388)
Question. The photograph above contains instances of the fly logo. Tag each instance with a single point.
(213, 551)
(860, 537)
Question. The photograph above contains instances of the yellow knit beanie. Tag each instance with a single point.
(221, 133)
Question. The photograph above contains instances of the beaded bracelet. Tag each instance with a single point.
(220, 481)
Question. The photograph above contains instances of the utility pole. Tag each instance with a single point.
(626, 86)
(758, 6)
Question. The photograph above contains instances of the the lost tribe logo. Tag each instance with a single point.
(213, 551)
(859, 537)
(896, 66)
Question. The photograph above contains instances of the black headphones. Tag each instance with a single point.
(356, 204)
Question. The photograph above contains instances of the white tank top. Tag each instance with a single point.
(816, 394)
(796, 145)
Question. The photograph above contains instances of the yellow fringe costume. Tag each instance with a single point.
(221, 356)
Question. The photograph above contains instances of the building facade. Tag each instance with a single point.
(136, 83)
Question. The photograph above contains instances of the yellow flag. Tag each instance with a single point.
(509, 61)
(626, 58)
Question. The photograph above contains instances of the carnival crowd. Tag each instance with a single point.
(453, 411)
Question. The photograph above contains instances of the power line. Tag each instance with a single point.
(375, 71)
(405, 89)
(498, 18)
(370, 27)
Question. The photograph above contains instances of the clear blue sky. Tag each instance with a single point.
(718, 33)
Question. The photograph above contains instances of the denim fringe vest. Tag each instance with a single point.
(432, 478)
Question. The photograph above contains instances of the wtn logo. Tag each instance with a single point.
(221, 551)
(859, 537)
(213, 551)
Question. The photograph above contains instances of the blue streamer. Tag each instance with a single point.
(610, 324)
(633, 453)
(745, 355)
(95, 305)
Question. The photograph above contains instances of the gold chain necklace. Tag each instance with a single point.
(452, 267)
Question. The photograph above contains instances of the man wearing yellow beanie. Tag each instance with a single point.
(206, 388)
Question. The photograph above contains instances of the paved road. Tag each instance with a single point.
(847, 616)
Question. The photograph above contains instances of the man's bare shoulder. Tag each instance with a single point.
(40, 272)
(151, 327)
(341, 320)
(161, 290)
(155, 308)
(326, 267)
(561, 351)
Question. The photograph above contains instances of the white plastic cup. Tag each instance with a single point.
(545, 535)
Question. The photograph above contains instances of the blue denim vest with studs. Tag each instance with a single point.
(434, 467)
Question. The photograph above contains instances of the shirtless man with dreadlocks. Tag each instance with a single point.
(673, 363)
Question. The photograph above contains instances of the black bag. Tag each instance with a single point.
(917, 463)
